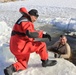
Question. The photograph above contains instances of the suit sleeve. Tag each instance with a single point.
(30, 27)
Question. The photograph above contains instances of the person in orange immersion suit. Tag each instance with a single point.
(22, 42)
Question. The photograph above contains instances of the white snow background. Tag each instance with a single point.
(50, 11)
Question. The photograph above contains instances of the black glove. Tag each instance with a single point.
(56, 55)
(47, 36)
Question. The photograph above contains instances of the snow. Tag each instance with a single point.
(65, 24)
(52, 12)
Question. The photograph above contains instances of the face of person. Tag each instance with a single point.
(63, 40)
(33, 18)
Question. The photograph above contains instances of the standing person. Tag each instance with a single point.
(22, 42)
(61, 48)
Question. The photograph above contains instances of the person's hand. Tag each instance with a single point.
(56, 55)
(46, 35)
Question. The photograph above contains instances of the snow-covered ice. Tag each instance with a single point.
(51, 11)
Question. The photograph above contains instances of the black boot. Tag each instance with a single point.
(48, 62)
(9, 70)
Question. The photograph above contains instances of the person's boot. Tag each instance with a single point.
(47, 62)
(9, 70)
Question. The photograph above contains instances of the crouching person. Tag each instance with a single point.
(22, 42)
(61, 48)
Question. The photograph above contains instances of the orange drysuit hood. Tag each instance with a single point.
(23, 10)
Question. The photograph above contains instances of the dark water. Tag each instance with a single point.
(55, 33)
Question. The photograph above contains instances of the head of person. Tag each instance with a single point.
(33, 14)
(63, 39)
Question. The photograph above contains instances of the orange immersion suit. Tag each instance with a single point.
(21, 46)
